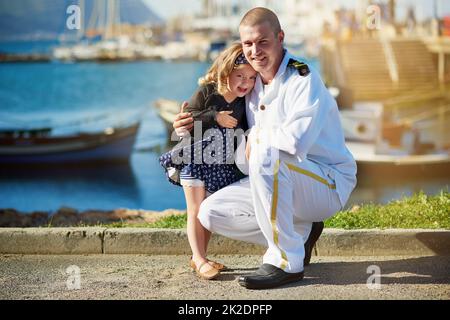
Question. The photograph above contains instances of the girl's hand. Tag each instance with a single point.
(224, 119)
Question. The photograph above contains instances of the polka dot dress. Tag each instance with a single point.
(210, 160)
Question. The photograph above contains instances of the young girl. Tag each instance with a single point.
(219, 103)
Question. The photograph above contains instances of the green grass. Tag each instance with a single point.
(169, 222)
(418, 211)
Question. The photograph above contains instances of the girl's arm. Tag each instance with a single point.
(199, 109)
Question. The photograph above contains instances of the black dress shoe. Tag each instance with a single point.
(269, 276)
(316, 231)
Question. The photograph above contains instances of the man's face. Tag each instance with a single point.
(262, 48)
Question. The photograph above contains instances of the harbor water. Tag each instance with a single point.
(63, 92)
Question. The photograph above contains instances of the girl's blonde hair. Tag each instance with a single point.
(222, 67)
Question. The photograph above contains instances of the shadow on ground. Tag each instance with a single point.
(422, 270)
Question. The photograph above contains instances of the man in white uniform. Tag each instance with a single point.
(300, 170)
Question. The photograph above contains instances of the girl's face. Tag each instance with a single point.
(242, 80)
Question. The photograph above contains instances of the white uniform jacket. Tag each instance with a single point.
(296, 115)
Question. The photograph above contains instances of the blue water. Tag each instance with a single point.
(42, 46)
(62, 93)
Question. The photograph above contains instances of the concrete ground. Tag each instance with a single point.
(168, 277)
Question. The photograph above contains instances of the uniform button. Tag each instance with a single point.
(262, 107)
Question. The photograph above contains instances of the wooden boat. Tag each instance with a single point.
(40, 146)
(167, 110)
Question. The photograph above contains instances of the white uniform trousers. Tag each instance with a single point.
(293, 191)
(231, 211)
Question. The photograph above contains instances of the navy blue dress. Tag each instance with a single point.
(212, 164)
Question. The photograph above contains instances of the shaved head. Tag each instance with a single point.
(260, 15)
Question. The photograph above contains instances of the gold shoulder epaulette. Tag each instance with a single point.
(301, 67)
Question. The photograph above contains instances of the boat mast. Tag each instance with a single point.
(105, 18)
(80, 32)
(92, 26)
(119, 28)
(110, 17)
(101, 16)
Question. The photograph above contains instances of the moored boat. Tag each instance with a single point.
(33, 146)
(167, 110)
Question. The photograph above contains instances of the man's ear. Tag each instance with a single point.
(281, 36)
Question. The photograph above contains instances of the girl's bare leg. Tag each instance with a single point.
(196, 232)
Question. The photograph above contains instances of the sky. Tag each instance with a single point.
(170, 8)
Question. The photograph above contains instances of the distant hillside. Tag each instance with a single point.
(46, 19)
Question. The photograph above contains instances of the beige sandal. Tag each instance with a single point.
(217, 265)
(208, 275)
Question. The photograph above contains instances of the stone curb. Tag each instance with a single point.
(333, 242)
(51, 240)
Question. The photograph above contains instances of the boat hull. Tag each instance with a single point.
(387, 166)
(112, 147)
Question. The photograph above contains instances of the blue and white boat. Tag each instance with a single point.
(45, 145)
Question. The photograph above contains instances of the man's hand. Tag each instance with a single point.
(183, 121)
(224, 119)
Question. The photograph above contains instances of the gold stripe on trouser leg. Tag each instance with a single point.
(273, 215)
(312, 175)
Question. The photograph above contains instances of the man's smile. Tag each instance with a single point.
(259, 60)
